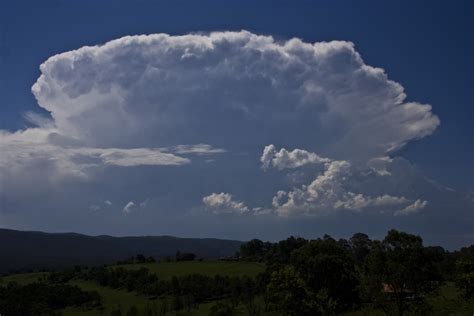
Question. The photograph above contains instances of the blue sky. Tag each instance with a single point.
(427, 48)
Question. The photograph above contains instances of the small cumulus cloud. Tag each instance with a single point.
(331, 191)
(99, 206)
(415, 207)
(224, 203)
(131, 206)
(94, 207)
(284, 159)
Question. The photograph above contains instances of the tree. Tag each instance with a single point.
(177, 303)
(164, 307)
(133, 311)
(140, 258)
(328, 269)
(400, 272)
(465, 278)
(287, 292)
(360, 245)
(222, 308)
(116, 312)
(189, 303)
(186, 256)
(255, 249)
(280, 253)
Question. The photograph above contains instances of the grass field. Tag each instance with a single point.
(166, 270)
(120, 299)
(446, 302)
(23, 278)
(112, 299)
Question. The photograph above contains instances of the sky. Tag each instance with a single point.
(238, 119)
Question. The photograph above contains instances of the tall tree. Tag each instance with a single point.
(326, 266)
(400, 272)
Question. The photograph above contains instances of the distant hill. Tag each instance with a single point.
(23, 250)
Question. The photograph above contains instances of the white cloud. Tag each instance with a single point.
(332, 191)
(136, 100)
(94, 208)
(222, 203)
(131, 156)
(144, 204)
(284, 159)
(379, 165)
(99, 206)
(129, 207)
(199, 149)
(33, 149)
(36, 153)
(415, 207)
(160, 90)
(357, 202)
(317, 197)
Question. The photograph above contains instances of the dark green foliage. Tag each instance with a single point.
(44, 299)
(185, 256)
(116, 312)
(397, 276)
(222, 308)
(400, 272)
(254, 250)
(466, 253)
(328, 270)
(189, 290)
(280, 252)
(287, 292)
(360, 245)
(137, 259)
(465, 277)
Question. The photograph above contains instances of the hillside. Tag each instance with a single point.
(114, 299)
(23, 250)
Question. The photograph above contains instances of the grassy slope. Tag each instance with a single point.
(166, 271)
(447, 302)
(112, 298)
(23, 278)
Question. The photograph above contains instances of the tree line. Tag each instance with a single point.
(327, 276)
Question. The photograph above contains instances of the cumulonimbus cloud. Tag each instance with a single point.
(135, 101)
